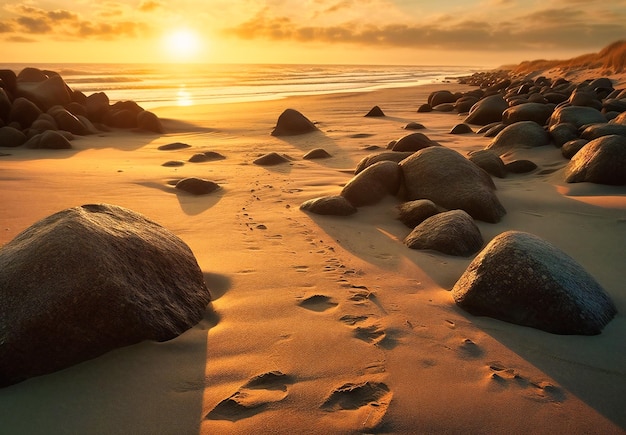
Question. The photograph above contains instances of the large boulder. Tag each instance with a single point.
(373, 184)
(523, 279)
(524, 134)
(291, 122)
(451, 181)
(47, 93)
(536, 112)
(576, 115)
(487, 110)
(24, 112)
(11, 137)
(90, 279)
(602, 161)
(452, 232)
(489, 161)
(598, 130)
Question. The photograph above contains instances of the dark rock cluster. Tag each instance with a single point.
(38, 109)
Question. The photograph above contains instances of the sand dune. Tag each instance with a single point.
(324, 324)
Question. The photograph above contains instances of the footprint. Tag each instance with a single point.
(469, 349)
(538, 391)
(318, 303)
(370, 399)
(253, 397)
(371, 334)
(352, 320)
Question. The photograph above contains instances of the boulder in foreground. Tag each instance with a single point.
(601, 161)
(90, 279)
(523, 279)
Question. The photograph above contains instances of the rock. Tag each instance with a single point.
(450, 180)
(197, 186)
(601, 161)
(576, 115)
(198, 158)
(317, 153)
(424, 108)
(68, 122)
(522, 279)
(413, 213)
(9, 78)
(291, 122)
(569, 149)
(562, 133)
(212, 155)
(45, 94)
(11, 137)
(375, 112)
(173, 146)
(445, 107)
(173, 163)
(329, 205)
(536, 112)
(49, 139)
(148, 121)
(520, 166)
(31, 74)
(413, 142)
(5, 106)
(524, 134)
(495, 130)
(24, 112)
(88, 280)
(270, 159)
(461, 129)
(97, 106)
(582, 97)
(441, 97)
(414, 126)
(620, 119)
(373, 184)
(124, 118)
(464, 104)
(452, 232)
(489, 161)
(392, 156)
(487, 110)
(598, 130)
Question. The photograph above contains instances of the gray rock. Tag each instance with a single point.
(392, 156)
(576, 115)
(569, 149)
(413, 142)
(11, 137)
(452, 232)
(196, 186)
(90, 279)
(489, 161)
(413, 213)
(536, 112)
(524, 134)
(450, 180)
(522, 279)
(487, 110)
(329, 205)
(601, 161)
(291, 122)
(373, 184)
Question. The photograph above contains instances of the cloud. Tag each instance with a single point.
(149, 5)
(20, 39)
(539, 29)
(6, 27)
(66, 24)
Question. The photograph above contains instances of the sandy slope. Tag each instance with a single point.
(308, 304)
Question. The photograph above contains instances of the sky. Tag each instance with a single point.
(401, 32)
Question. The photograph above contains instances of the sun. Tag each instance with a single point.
(182, 44)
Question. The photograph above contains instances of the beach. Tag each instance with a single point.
(310, 306)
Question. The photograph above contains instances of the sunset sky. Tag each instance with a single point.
(448, 32)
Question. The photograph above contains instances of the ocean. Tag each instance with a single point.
(184, 85)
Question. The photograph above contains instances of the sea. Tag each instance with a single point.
(158, 85)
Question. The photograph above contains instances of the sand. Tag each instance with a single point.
(323, 324)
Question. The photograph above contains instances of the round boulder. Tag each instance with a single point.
(489, 161)
(601, 161)
(522, 279)
(11, 137)
(392, 156)
(196, 186)
(90, 279)
(413, 142)
(148, 121)
(373, 184)
(487, 110)
(536, 112)
(524, 134)
(329, 205)
(576, 115)
(452, 232)
(24, 112)
(450, 180)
